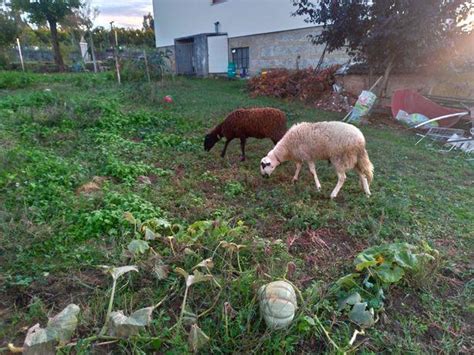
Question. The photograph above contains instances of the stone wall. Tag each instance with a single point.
(286, 49)
(449, 84)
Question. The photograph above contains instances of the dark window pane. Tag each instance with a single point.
(240, 56)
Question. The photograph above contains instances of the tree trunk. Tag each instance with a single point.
(58, 59)
(321, 59)
(386, 75)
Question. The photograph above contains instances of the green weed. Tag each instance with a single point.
(58, 132)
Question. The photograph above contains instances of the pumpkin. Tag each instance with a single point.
(277, 304)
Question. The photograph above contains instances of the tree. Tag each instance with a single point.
(81, 21)
(52, 12)
(148, 23)
(387, 33)
(9, 27)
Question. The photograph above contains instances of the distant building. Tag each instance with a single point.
(205, 35)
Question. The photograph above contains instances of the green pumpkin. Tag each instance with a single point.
(277, 304)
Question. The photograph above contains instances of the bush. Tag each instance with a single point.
(305, 85)
(14, 80)
(135, 69)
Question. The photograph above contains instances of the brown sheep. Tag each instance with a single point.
(265, 122)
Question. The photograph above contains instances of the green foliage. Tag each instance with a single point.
(48, 12)
(371, 31)
(198, 212)
(108, 218)
(158, 63)
(125, 36)
(42, 11)
(10, 28)
(12, 80)
(377, 268)
(233, 189)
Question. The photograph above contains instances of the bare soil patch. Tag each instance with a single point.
(95, 185)
(325, 252)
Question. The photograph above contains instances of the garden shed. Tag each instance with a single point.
(202, 54)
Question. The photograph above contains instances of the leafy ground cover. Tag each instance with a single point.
(95, 174)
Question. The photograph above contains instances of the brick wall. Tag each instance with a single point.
(285, 49)
(450, 84)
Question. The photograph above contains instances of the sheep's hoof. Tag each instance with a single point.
(318, 188)
(242, 158)
(294, 181)
(333, 196)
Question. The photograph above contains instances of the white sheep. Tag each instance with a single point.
(341, 143)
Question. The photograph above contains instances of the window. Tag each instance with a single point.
(240, 57)
(215, 2)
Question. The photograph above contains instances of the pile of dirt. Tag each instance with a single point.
(336, 102)
(325, 252)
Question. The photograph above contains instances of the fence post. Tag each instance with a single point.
(21, 55)
(117, 64)
(146, 66)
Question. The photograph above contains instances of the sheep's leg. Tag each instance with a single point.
(341, 178)
(242, 146)
(364, 184)
(225, 147)
(297, 172)
(312, 168)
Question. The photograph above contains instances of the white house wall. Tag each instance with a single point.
(181, 18)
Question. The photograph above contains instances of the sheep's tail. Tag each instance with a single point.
(365, 166)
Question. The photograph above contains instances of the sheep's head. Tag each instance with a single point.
(210, 140)
(268, 164)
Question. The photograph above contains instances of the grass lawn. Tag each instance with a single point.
(58, 132)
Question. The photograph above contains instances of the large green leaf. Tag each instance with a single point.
(138, 246)
(351, 300)
(348, 281)
(406, 259)
(389, 273)
(366, 258)
(361, 316)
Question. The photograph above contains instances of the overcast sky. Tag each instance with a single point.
(125, 13)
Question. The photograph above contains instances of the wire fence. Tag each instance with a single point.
(136, 63)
